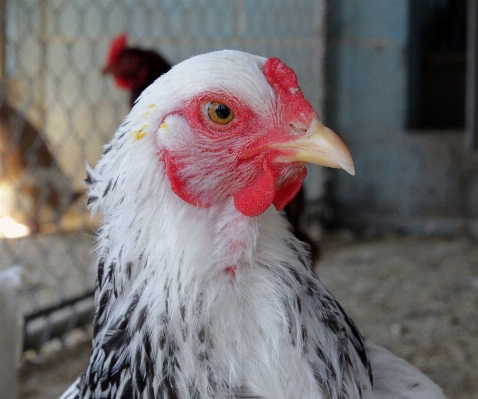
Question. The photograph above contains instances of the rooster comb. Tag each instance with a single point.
(118, 44)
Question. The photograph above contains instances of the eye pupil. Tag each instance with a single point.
(219, 113)
(222, 111)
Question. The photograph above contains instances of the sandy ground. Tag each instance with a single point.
(416, 296)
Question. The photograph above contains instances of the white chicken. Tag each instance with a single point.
(202, 290)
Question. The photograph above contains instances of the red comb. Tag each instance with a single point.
(118, 44)
(280, 76)
(284, 81)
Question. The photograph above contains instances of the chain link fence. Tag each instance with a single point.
(56, 112)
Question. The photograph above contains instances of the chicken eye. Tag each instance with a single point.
(219, 113)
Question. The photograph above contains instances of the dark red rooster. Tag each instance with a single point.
(133, 68)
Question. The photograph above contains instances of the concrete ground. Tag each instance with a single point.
(416, 296)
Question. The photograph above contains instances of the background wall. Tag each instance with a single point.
(420, 181)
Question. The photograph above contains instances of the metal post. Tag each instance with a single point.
(471, 107)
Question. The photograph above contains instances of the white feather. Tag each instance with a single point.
(397, 379)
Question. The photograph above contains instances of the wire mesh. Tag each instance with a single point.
(56, 112)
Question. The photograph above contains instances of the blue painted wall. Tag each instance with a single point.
(419, 182)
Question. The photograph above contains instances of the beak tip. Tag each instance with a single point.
(350, 170)
(347, 164)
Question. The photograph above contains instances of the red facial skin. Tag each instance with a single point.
(236, 157)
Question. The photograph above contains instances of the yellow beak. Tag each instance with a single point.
(320, 146)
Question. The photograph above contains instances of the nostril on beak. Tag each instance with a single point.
(297, 127)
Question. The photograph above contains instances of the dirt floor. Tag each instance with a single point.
(416, 296)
